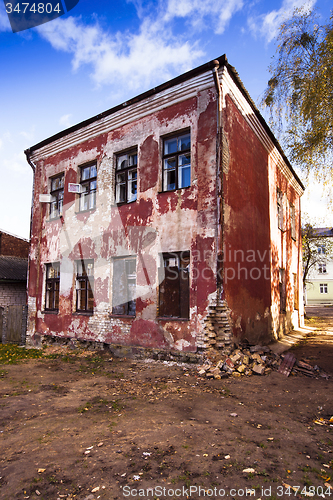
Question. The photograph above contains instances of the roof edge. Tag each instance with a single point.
(220, 61)
(236, 78)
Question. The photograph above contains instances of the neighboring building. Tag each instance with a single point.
(13, 287)
(13, 246)
(170, 221)
(319, 283)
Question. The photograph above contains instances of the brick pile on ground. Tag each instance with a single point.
(251, 360)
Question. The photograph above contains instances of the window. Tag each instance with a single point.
(322, 268)
(88, 183)
(321, 249)
(293, 222)
(323, 288)
(124, 286)
(174, 285)
(85, 286)
(282, 290)
(177, 162)
(126, 177)
(52, 286)
(57, 196)
(280, 210)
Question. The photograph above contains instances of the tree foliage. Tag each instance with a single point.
(300, 92)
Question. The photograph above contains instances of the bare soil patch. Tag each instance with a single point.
(84, 426)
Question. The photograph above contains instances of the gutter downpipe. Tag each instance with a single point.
(219, 188)
(27, 153)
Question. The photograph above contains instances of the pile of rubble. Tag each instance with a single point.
(254, 360)
(259, 360)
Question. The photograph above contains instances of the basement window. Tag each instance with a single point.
(52, 286)
(126, 177)
(85, 286)
(174, 285)
(124, 286)
(88, 183)
(177, 162)
(57, 196)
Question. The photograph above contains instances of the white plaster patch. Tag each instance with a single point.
(181, 344)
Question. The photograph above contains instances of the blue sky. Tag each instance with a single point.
(102, 53)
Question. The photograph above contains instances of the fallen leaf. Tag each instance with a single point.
(249, 471)
(41, 470)
(95, 489)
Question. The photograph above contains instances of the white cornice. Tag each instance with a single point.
(148, 106)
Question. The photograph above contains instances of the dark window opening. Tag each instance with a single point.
(85, 286)
(52, 286)
(280, 210)
(57, 196)
(126, 177)
(174, 285)
(124, 286)
(88, 183)
(177, 162)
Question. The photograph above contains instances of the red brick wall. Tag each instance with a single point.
(13, 246)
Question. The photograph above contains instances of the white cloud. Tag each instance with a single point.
(267, 25)
(214, 14)
(135, 59)
(4, 21)
(65, 121)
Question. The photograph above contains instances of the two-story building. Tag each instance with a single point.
(169, 221)
(319, 282)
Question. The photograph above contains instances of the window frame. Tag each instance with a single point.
(58, 195)
(180, 288)
(129, 307)
(322, 268)
(87, 279)
(280, 214)
(176, 154)
(133, 152)
(54, 283)
(293, 221)
(90, 193)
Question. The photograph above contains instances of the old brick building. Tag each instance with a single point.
(14, 253)
(170, 221)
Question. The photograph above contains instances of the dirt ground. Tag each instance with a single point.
(85, 426)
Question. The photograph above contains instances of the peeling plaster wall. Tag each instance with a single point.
(181, 220)
(254, 248)
(246, 230)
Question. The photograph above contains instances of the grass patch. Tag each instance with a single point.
(12, 354)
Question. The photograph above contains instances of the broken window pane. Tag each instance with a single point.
(88, 187)
(57, 195)
(84, 285)
(176, 164)
(126, 181)
(52, 286)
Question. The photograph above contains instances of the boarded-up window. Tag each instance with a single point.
(85, 286)
(124, 286)
(174, 285)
